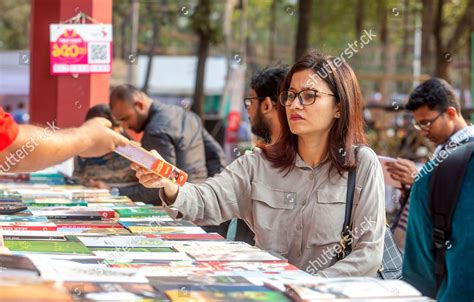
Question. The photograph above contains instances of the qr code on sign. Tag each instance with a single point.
(99, 52)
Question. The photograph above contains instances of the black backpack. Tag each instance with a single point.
(445, 187)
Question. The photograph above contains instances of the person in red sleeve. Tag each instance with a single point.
(27, 148)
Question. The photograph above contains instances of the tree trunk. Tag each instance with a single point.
(359, 21)
(427, 23)
(302, 34)
(406, 45)
(198, 101)
(154, 40)
(271, 46)
(441, 70)
(123, 38)
(251, 53)
(382, 12)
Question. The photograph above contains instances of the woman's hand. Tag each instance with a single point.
(147, 178)
(151, 180)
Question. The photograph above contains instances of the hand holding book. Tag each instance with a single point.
(150, 179)
(153, 162)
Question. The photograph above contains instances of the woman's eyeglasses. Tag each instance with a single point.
(426, 125)
(305, 97)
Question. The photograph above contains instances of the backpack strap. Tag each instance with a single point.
(443, 198)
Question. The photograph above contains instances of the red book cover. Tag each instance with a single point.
(28, 226)
(107, 213)
(170, 172)
(267, 266)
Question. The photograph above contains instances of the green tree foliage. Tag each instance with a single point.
(14, 25)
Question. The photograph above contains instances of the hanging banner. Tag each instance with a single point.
(80, 48)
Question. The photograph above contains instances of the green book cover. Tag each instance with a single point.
(52, 203)
(60, 247)
(140, 212)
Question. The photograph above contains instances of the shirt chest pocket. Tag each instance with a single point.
(328, 215)
(271, 210)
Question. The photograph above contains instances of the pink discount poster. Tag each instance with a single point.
(80, 48)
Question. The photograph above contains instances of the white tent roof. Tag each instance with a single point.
(175, 75)
(14, 77)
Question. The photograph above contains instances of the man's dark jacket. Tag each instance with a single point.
(178, 135)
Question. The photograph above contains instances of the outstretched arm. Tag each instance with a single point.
(36, 148)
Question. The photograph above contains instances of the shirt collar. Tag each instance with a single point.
(300, 163)
(456, 138)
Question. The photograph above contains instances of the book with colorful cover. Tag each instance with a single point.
(32, 235)
(167, 269)
(17, 218)
(135, 153)
(224, 293)
(264, 278)
(208, 236)
(351, 288)
(213, 246)
(44, 246)
(109, 199)
(94, 231)
(55, 202)
(123, 241)
(233, 256)
(158, 223)
(242, 266)
(126, 292)
(82, 270)
(163, 249)
(68, 214)
(17, 266)
(165, 230)
(141, 212)
(28, 226)
(139, 256)
(85, 224)
(163, 282)
(32, 290)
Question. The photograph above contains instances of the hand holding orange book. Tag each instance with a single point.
(150, 161)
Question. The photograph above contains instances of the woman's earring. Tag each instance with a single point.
(338, 115)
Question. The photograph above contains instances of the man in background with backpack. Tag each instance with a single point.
(440, 245)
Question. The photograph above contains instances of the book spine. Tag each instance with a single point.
(29, 228)
(39, 238)
(75, 217)
(89, 226)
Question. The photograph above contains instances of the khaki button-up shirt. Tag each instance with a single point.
(300, 215)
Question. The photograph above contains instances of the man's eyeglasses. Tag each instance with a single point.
(248, 101)
(426, 125)
(305, 97)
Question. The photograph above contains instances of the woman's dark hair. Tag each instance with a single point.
(346, 132)
(102, 110)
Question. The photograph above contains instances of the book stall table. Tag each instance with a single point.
(74, 243)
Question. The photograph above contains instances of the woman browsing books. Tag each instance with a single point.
(292, 193)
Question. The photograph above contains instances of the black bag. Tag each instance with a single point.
(392, 262)
(443, 199)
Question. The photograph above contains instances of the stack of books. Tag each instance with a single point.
(80, 244)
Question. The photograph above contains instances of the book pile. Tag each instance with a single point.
(80, 244)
